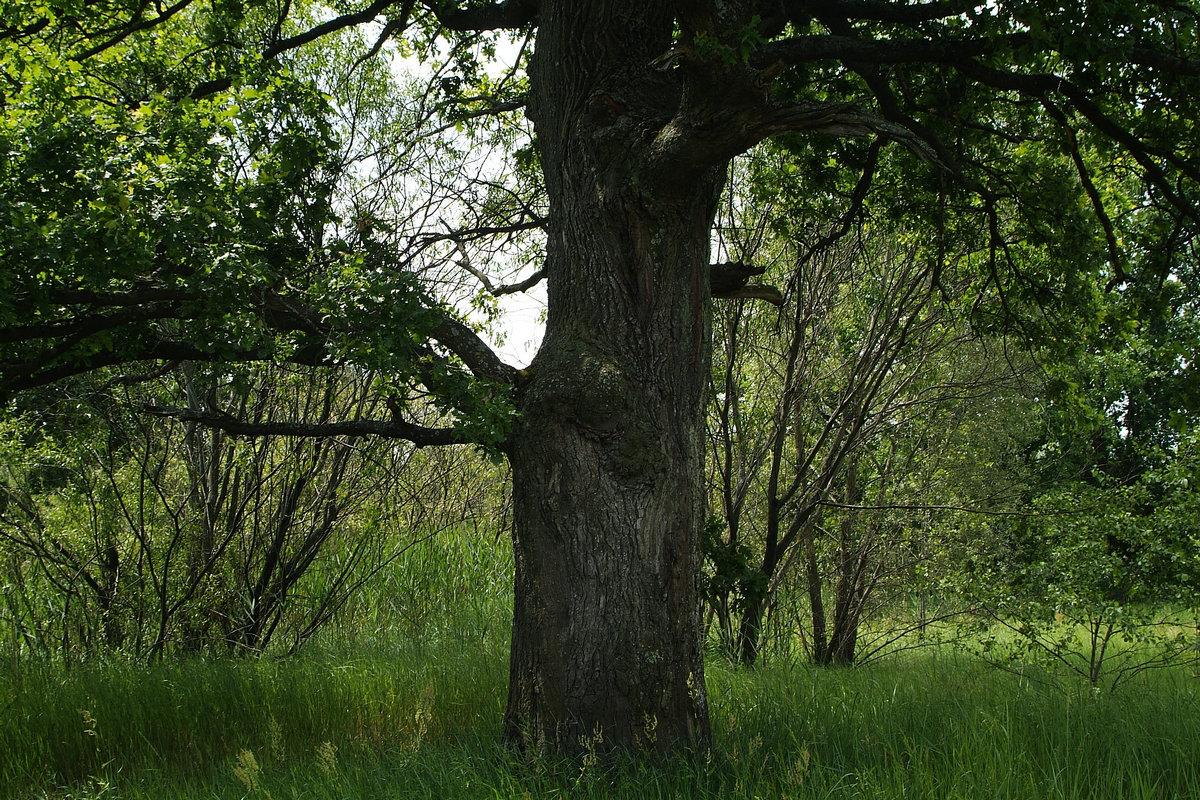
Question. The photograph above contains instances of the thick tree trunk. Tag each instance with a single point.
(607, 458)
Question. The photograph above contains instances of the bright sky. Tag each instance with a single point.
(522, 325)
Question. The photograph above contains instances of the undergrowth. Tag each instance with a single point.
(404, 700)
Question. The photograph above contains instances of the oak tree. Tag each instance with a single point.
(169, 189)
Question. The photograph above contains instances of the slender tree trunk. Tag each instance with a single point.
(922, 614)
(844, 637)
(607, 457)
(847, 613)
(750, 630)
(757, 598)
(812, 570)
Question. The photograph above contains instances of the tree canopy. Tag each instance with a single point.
(176, 180)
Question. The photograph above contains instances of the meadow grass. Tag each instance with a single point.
(399, 705)
(407, 721)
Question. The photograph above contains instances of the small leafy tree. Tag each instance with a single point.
(153, 535)
(1097, 586)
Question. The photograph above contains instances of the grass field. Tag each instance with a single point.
(413, 710)
(418, 722)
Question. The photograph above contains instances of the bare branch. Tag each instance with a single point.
(470, 234)
(419, 435)
(464, 261)
(520, 286)
(389, 30)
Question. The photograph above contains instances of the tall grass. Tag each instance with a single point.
(405, 701)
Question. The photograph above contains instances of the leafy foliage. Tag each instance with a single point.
(153, 219)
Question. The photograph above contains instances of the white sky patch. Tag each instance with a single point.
(522, 326)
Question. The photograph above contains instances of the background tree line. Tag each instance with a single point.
(887, 449)
(886, 464)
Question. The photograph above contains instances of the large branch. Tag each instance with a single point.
(508, 14)
(35, 373)
(279, 312)
(1164, 62)
(474, 352)
(419, 435)
(833, 47)
(73, 329)
(904, 14)
(844, 46)
(695, 141)
(846, 119)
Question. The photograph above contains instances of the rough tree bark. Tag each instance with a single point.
(608, 457)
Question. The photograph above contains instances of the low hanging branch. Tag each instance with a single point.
(419, 435)
(523, 285)
(1040, 85)
(61, 346)
(1089, 187)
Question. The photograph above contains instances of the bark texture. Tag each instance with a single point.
(607, 458)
